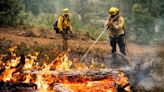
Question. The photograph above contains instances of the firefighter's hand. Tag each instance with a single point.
(107, 27)
(61, 31)
(110, 23)
(116, 26)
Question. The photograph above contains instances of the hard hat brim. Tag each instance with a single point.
(66, 13)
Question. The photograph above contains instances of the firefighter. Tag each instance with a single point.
(64, 22)
(64, 26)
(115, 23)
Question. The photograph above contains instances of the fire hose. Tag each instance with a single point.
(93, 43)
(127, 49)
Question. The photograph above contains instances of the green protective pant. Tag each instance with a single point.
(120, 40)
(65, 39)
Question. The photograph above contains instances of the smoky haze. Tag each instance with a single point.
(144, 25)
(142, 18)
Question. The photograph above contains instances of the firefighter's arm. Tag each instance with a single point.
(120, 23)
(108, 23)
(60, 19)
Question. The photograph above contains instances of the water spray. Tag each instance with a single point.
(93, 44)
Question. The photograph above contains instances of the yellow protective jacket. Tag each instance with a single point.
(116, 26)
(64, 23)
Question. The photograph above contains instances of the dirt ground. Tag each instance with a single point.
(49, 37)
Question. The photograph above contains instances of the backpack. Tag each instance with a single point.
(56, 26)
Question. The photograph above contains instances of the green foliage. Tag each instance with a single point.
(42, 20)
(9, 11)
(93, 31)
(76, 22)
(136, 8)
(4, 45)
(142, 16)
(39, 6)
(83, 8)
(141, 23)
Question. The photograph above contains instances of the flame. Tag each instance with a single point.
(12, 49)
(123, 80)
(28, 78)
(44, 87)
(29, 62)
(7, 74)
(65, 64)
(44, 76)
(14, 62)
(106, 85)
(42, 83)
(38, 81)
(62, 62)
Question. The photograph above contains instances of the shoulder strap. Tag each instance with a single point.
(62, 17)
(115, 18)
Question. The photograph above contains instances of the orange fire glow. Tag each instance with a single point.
(7, 74)
(47, 75)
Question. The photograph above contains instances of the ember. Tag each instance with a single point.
(61, 77)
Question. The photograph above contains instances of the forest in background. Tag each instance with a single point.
(27, 25)
(144, 18)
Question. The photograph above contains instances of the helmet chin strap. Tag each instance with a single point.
(115, 14)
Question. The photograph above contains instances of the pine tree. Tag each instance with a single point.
(9, 10)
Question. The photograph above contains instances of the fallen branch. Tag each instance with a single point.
(11, 85)
(77, 75)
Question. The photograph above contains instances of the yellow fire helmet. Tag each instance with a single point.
(113, 10)
(66, 11)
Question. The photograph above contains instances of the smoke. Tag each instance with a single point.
(147, 77)
(147, 83)
(158, 28)
(146, 72)
(143, 71)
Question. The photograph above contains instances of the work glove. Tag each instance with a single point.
(61, 31)
(107, 27)
(116, 27)
(110, 23)
(64, 32)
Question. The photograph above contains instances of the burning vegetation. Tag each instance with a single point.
(61, 75)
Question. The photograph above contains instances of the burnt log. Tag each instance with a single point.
(90, 75)
(12, 85)
(60, 88)
(77, 75)
(2, 70)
